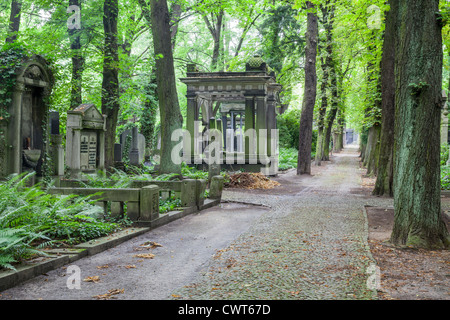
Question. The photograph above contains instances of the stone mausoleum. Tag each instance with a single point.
(243, 106)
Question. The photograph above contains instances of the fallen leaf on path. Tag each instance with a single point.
(144, 255)
(110, 293)
(94, 279)
(151, 244)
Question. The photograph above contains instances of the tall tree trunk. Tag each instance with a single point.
(322, 113)
(110, 84)
(215, 26)
(338, 138)
(419, 60)
(374, 145)
(175, 14)
(373, 116)
(332, 113)
(14, 21)
(149, 120)
(170, 113)
(77, 63)
(309, 100)
(328, 19)
(385, 178)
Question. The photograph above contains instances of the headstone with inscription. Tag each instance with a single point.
(85, 140)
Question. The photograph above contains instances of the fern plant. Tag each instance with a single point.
(15, 244)
(30, 219)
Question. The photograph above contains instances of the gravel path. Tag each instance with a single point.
(311, 245)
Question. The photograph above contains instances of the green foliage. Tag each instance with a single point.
(445, 177)
(289, 129)
(169, 204)
(193, 173)
(444, 154)
(118, 179)
(288, 158)
(11, 58)
(283, 45)
(31, 219)
(16, 244)
(289, 125)
(74, 229)
(445, 169)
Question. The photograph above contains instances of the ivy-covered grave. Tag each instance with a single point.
(26, 83)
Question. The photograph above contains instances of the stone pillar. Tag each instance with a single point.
(56, 150)
(214, 153)
(271, 124)
(57, 154)
(249, 137)
(101, 142)
(188, 193)
(224, 129)
(192, 115)
(200, 192)
(261, 128)
(73, 140)
(149, 203)
(134, 153)
(216, 187)
(15, 130)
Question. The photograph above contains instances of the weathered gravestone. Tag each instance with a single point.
(136, 151)
(85, 140)
(24, 132)
(56, 151)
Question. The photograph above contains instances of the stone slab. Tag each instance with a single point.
(101, 244)
(29, 270)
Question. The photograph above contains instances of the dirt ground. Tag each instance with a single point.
(406, 274)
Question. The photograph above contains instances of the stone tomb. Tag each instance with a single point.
(136, 147)
(85, 140)
(236, 103)
(24, 136)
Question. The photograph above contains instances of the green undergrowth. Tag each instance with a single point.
(445, 169)
(31, 219)
(288, 158)
(169, 204)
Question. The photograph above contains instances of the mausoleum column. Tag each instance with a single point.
(192, 115)
(261, 124)
(249, 139)
(271, 123)
(15, 131)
